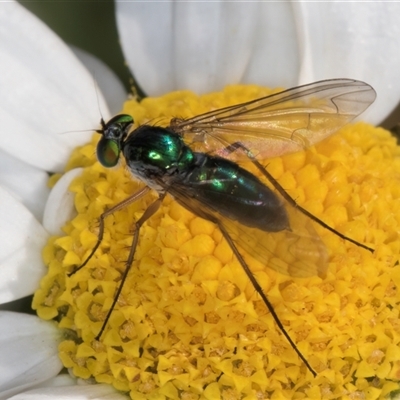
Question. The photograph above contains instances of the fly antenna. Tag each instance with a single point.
(102, 122)
(96, 89)
(80, 130)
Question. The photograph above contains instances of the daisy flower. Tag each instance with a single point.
(37, 70)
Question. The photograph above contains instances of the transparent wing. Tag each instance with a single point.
(281, 123)
(298, 252)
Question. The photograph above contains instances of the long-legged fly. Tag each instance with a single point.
(195, 160)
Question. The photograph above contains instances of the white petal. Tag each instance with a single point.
(45, 91)
(275, 57)
(59, 380)
(144, 41)
(22, 239)
(29, 355)
(208, 39)
(197, 46)
(203, 46)
(109, 84)
(359, 40)
(87, 392)
(28, 184)
(60, 204)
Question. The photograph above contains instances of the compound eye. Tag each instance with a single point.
(118, 126)
(123, 119)
(108, 152)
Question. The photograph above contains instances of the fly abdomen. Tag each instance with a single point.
(236, 193)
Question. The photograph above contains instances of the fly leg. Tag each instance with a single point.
(131, 199)
(237, 145)
(259, 290)
(150, 211)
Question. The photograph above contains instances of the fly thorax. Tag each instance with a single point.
(154, 152)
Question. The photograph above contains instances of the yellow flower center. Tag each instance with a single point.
(188, 323)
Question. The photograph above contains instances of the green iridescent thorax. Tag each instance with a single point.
(152, 152)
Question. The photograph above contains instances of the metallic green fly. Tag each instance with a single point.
(195, 160)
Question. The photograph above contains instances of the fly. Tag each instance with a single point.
(195, 160)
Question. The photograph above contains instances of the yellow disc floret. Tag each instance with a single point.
(188, 323)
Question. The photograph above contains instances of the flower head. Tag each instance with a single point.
(188, 322)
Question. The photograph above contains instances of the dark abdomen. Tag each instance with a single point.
(235, 193)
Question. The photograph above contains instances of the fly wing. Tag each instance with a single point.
(298, 252)
(282, 123)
